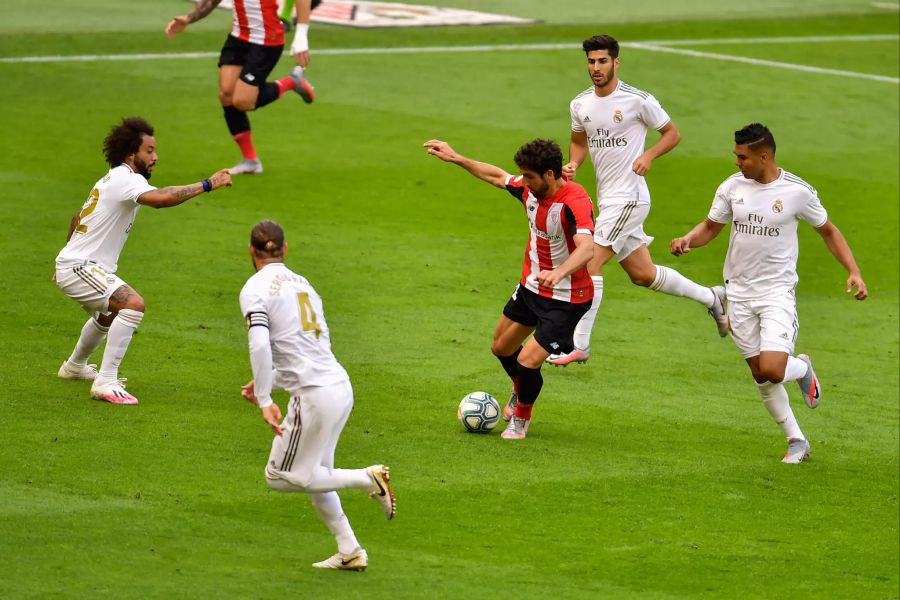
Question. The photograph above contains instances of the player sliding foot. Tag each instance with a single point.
(247, 166)
(381, 481)
(809, 384)
(70, 371)
(357, 560)
(575, 356)
(113, 392)
(797, 452)
(717, 311)
(510, 406)
(302, 86)
(517, 429)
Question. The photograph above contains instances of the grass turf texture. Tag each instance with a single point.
(651, 472)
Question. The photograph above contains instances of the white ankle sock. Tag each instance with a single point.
(672, 282)
(92, 335)
(328, 505)
(586, 324)
(120, 332)
(795, 369)
(776, 400)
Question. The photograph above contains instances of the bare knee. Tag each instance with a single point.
(225, 98)
(642, 278)
(123, 298)
(768, 375)
(244, 104)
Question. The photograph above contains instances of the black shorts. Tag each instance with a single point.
(257, 60)
(554, 320)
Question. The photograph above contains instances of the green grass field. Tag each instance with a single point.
(651, 472)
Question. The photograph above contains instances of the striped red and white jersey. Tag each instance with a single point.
(554, 222)
(257, 22)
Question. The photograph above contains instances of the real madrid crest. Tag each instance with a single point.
(777, 207)
(617, 116)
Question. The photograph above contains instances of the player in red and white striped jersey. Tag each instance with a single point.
(248, 56)
(555, 289)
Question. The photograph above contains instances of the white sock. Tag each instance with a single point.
(120, 332)
(795, 369)
(586, 324)
(92, 335)
(326, 480)
(332, 514)
(776, 400)
(674, 283)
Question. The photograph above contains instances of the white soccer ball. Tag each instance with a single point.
(478, 412)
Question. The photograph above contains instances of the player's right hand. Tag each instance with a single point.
(440, 149)
(272, 415)
(569, 170)
(220, 178)
(177, 25)
(679, 246)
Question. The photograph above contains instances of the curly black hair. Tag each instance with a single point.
(124, 139)
(540, 156)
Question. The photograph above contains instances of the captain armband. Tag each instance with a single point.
(257, 319)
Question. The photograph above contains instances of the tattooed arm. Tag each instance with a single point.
(176, 194)
(203, 8)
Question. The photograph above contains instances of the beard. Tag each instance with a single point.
(142, 168)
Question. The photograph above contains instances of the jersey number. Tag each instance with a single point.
(88, 208)
(308, 314)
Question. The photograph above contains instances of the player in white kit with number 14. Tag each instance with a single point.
(765, 204)
(290, 349)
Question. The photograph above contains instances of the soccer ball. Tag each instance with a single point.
(478, 412)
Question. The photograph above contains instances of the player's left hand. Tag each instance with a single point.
(440, 149)
(248, 394)
(272, 415)
(856, 281)
(642, 164)
(177, 25)
(302, 58)
(548, 279)
(220, 178)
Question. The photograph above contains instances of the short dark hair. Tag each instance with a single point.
(267, 238)
(124, 139)
(755, 135)
(540, 156)
(601, 42)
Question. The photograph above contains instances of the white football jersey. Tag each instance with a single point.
(106, 219)
(763, 249)
(616, 128)
(277, 298)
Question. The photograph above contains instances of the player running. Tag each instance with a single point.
(765, 203)
(555, 289)
(610, 121)
(86, 266)
(251, 51)
(290, 348)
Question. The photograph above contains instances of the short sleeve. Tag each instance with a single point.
(577, 125)
(515, 187)
(652, 113)
(720, 212)
(813, 212)
(582, 209)
(135, 185)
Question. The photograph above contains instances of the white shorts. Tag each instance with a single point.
(768, 325)
(621, 227)
(88, 284)
(312, 427)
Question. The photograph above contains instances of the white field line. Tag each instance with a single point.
(654, 45)
(887, 5)
(766, 63)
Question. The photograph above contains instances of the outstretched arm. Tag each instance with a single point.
(484, 171)
(668, 139)
(203, 8)
(838, 246)
(702, 233)
(176, 194)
